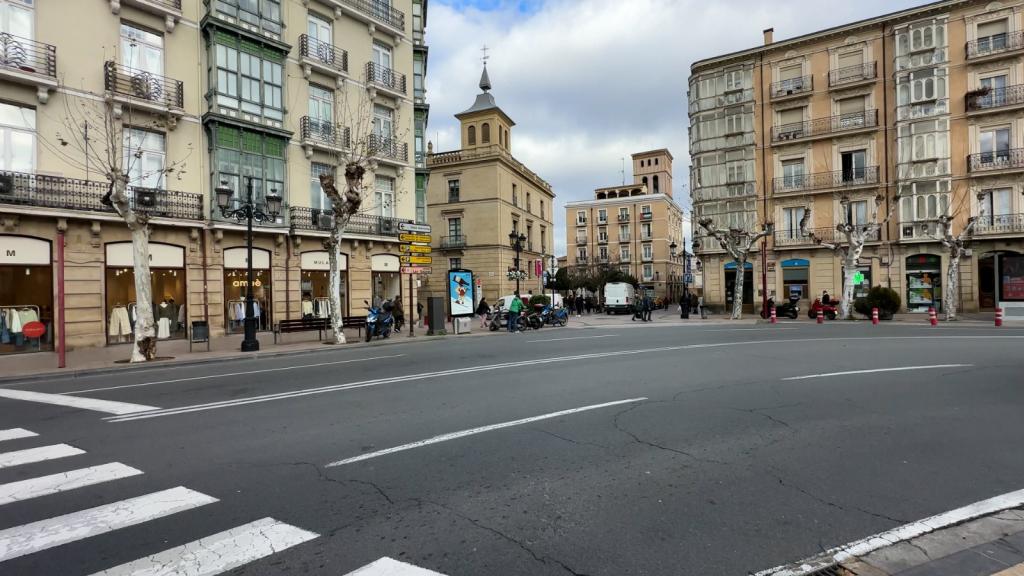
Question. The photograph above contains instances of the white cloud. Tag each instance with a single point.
(589, 82)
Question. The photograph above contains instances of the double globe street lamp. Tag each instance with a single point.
(685, 311)
(517, 244)
(248, 211)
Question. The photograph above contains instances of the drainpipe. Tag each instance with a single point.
(885, 144)
(62, 226)
(764, 184)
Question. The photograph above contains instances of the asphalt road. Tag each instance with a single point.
(689, 452)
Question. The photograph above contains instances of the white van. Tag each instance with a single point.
(619, 297)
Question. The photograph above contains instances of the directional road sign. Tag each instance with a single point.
(414, 248)
(415, 270)
(416, 259)
(424, 238)
(410, 227)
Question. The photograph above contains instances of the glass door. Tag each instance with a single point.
(995, 145)
(142, 50)
(996, 86)
(854, 165)
(16, 18)
(321, 113)
(321, 38)
(381, 63)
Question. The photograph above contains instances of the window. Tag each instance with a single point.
(602, 234)
(529, 237)
(602, 214)
(623, 213)
(455, 228)
(854, 167)
(384, 190)
(383, 122)
(581, 217)
(515, 195)
(142, 50)
(851, 112)
(382, 63)
(996, 96)
(321, 113)
(849, 64)
(793, 173)
(648, 272)
(240, 155)
(992, 36)
(791, 218)
(417, 75)
(543, 239)
(657, 189)
(857, 213)
(317, 199)
(541, 208)
(787, 118)
(624, 253)
(421, 198)
(453, 190)
(996, 206)
(529, 204)
(319, 30)
(645, 231)
(581, 254)
(17, 138)
(455, 263)
(485, 133)
(249, 77)
(602, 253)
(995, 145)
(143, 159)
(624, 233)
(648, 251)
(16, 18)
(471, 135)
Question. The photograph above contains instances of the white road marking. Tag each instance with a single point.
(746, 329)
(208, 376)
(874, 370)
(903, 533)
(15, 433)
(500, 366)
(30, 455)
(95, 404)
(218, 553)
(472, 431)
(573, 338)
(390, 567)
(54, 483)
(59, 530)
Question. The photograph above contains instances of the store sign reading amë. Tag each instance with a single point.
(243, 283)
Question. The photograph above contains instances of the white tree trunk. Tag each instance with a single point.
(737, 292)
(853, 253)
(145, 325)
(949, 298)
(335, 286)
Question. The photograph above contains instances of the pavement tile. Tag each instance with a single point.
(1017, 570)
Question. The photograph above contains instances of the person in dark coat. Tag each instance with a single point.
(684, 305)
(482, 310)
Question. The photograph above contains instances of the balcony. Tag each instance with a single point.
(987, 99)
(646, 215)
(29, 62)
(853, 75)
(602, 220)
(454, 242)
(601, 259)
(581, 221)
(302, 218)
(792, 88)
(647, 258)
(823, 127)
(384, 79)
(321, 135)
(246, 16)
(992, 47)
(852, 178)
(388, 150)
(623, 217)
(580, 240)
(39, 191)
(1011, 159)
(317, 220)
(1000, 224)
(169, 10)
(602, 239)
(374, 13)
(646, 237)
(324, 58)
(624, 238)
(794, 238)
(145, 91)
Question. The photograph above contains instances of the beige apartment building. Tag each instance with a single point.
(480, 196)
(232, 91)
(923, 108)
(637, 228)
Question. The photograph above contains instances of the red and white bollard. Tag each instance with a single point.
(999, 317)
(821, 316)
(874, 316)
(932, 318)
(774, 319)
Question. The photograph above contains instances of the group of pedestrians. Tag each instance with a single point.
(643, 308)
(581, 304)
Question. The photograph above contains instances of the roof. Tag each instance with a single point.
(657, 152)
(484, 100)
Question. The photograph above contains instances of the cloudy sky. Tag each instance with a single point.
(589, 82)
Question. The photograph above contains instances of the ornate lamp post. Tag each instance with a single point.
(249, 212)
(517, 244)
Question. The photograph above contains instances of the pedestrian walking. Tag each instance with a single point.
(399, 313)
(570, 302)
(589, 304)
(515, 307)
(482, 309)
(580, 303)
(684, 305)
(648, 306)
(419, 311)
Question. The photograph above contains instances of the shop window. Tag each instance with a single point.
(26, 294)
(924, 283)
(168, 286)
(17, 138)
(795, 281)
(315, 284)
(236, 286)
(1011, 278)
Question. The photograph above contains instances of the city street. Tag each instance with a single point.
(624, 449)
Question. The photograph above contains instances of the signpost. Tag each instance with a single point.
(415, 245)
(416, 270)
(414, 248)
(411, 227)
(416, 259)
(419, 238)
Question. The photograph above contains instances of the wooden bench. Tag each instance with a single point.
(357, 322)
(320, 325)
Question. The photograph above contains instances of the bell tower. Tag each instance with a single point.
(484, 124)
(654, 168)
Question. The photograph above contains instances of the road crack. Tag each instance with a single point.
(637, 439)
(836, 505)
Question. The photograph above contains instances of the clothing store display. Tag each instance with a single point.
(119, 324)
(181, 315)
(322, 307)
(163, 329)
(307, 308)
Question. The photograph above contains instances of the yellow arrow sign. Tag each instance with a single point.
(414, 238)
(414, 248)
(417, 260)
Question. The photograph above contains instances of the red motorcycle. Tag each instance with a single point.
(830, 310)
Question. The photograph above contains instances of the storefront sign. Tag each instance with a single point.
(22, 250)
(320, 260)
(119, 255)
(460, 293)
(33, 329)
(384, 263)
(236, 258)
(243, 283)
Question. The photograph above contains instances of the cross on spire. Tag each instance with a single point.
(485, 57)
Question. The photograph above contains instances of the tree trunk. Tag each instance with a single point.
(145, 325)
(853, 253)
(335, 285)
(949, 297)
(737, 291)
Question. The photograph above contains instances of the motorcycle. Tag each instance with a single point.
(830, 310)
(534, 321)
(379, 321)
(787, 310)
(555, 316)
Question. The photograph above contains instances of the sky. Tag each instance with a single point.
(589, 82)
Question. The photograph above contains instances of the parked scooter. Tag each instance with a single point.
(830, 310)
(497, 319)
(787, 309)
(555, 316)
(379, 321)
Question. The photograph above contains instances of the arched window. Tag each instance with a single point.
(472, 135)
(501, 136)
(485, 133)
(656, 189)
(645, 180)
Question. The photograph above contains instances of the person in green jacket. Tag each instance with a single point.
(515, 308)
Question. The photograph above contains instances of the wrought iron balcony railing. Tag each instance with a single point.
(792, 87)
(324, 133)
(386, 78)
(851, 74)
(798, 238)
(388, 148)
(26, 55)
(42, 191)
(1010, 158)
(824, 126)
(1000, 224)
(323, 53)
(866, 176)
(159, 90)
(379, 10)
(581, 239)
(995, 44)
(995, 98)
(316, 219)
(302, 218)
(453, 241)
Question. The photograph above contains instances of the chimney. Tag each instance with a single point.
(769, 36)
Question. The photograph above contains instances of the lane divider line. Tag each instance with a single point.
(63, 481)
(875, 370)
(16, 433)
(479, 430)
(95, 404)
(40, 454)
(573, 338)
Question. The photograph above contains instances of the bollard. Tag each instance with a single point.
(932, 318)
(774, 320)
(821, 316)
(999, 317)
(874, 316)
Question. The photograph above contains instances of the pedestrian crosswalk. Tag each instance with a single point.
(207, 556)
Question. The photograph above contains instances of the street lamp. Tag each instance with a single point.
(248, 211)
(685, 311)
(517, 244)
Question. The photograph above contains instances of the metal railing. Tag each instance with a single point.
(379, 10)
(160, 90)
(482, 152)
(581, 240)
(798, 238)
(995, 98)
(324, 132)
(850, 74)
(26, 55)
(1009, 158)
(69, 193)
(386, 78)
(823, 126)
(822, 180)
(995, 44)
(792, 86)
(384, 147)
(303, 218)
(624, 217)
(324, 53)
(999, 224)
(170, 4)
(453, 241)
